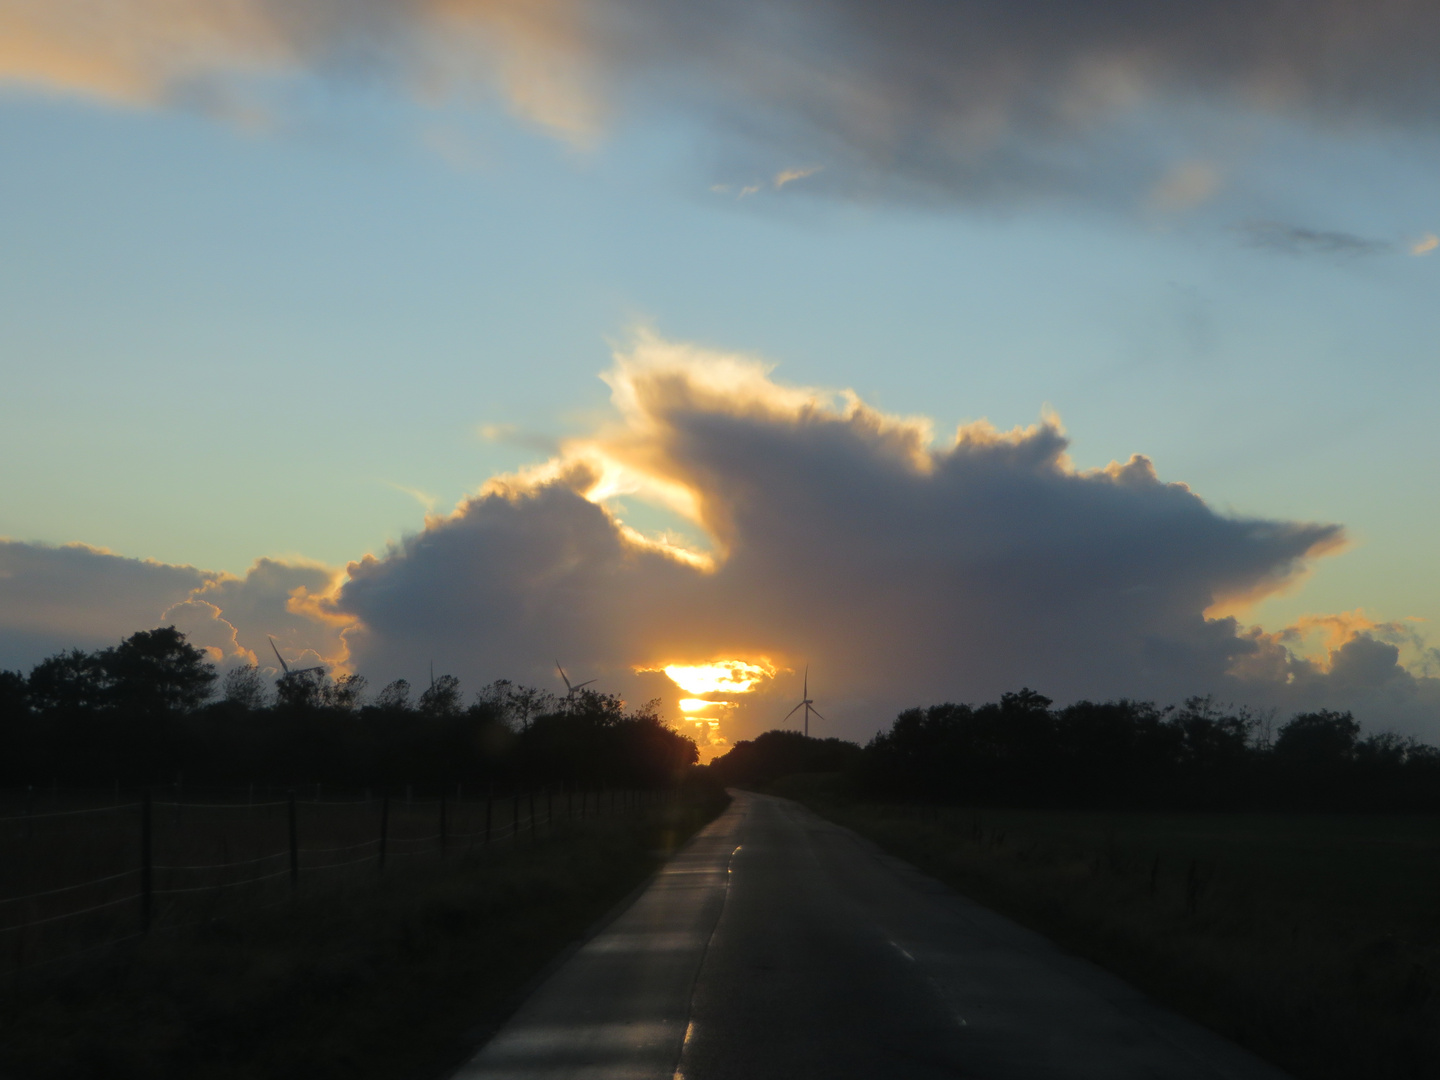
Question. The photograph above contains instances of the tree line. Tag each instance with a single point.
(154, 710)
(1123, 754)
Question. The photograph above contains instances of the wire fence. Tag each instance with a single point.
(77, 879)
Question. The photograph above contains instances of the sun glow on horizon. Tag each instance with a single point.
(717, 677)
(695, 705)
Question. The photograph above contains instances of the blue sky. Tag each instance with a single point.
(278, 331)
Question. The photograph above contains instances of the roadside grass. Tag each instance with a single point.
(400, 979)
(1313, 939)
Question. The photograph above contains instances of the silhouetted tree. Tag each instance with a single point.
(302, 690)
(345, 693)
(442, 697)
(156, 671)
(1320, 740)
(244, 688)
(394, 697)
(67, 683)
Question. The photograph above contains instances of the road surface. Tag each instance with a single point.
(777, 945)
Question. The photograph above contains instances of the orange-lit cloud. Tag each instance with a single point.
(719, 676)
(1425, 245)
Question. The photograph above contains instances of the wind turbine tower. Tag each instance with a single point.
(805, 703)
(286, 667)
(570, 689)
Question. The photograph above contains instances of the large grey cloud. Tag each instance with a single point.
(986, 99)
(902, 571)
(54, 598)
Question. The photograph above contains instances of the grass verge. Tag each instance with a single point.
(1312, 939)
(398, 980)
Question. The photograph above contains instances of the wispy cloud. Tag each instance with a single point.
(1184, 186)
(1425, 245)
(514, 435)
(1298, 240)
(425, 499)
(789, 176)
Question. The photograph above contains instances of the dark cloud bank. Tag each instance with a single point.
(982, 99)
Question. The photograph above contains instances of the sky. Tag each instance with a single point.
(783, 333)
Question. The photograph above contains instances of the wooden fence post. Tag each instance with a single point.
(444, 823)
(384, 828)
(147, 863)
(294, 847)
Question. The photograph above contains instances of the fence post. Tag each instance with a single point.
(146, 864)
(294, 847)
(384, 828)
(444, 822)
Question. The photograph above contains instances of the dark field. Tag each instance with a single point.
(358, 973)
(1314, 939)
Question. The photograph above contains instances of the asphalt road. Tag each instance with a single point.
(779, 945)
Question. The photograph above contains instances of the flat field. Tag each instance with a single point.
(399, 975)
(1314, 939)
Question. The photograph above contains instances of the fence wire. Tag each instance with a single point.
(179, 826)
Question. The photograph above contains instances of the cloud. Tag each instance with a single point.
(899, 569)
(1425, 245)
(1295, 240)
(54, 598)
(76, 596)
(789, 176)
(1187, 185)
(974, 99)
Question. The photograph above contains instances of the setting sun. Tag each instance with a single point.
(718, 677)
(692, 704)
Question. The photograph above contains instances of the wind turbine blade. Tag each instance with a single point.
(807, 682)
(587, 682)
(817, 713)
(563, 679)
(283, 665)
(793, 711)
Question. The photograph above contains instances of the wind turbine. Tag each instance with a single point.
(570, 690)
(286, 667)
(805, 703)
